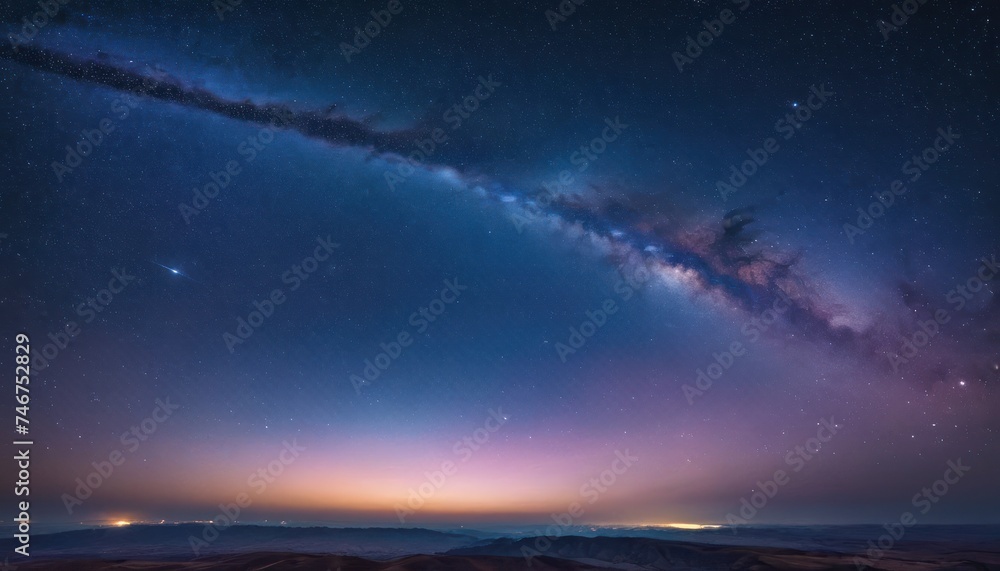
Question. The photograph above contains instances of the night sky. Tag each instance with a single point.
(519, 239)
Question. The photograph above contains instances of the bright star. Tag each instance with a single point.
(174, 271)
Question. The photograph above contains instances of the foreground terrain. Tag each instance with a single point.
(243, 548)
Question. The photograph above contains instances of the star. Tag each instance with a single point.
(175, 271)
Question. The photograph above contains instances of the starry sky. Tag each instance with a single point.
(511, 237)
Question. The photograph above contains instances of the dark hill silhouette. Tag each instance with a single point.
(173, 542)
